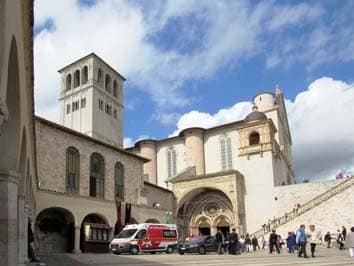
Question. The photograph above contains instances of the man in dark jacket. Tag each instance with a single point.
(218, 238)
(273, 242)
(233, 239)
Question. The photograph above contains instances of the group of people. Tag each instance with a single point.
(298, 241)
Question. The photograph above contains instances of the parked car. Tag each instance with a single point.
(198, 244)
(136, 238)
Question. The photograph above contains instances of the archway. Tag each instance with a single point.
(95, 233)
(200, 203)
(223, 224)
(54, 231)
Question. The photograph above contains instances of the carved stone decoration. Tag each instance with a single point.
(212, 209)
(4, 113)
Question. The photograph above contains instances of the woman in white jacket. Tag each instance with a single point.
(349, 243)
(315, 238)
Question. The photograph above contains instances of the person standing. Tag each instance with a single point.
(340, 240)
(233, 239)
(248, 243)
(273, 242)
(301, 240)
(349, 243)
(255, 243)
(218, 238)
(290, 242)
(327, 239)
(344, 233)
(314, 237)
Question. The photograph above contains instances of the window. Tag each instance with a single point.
(75, 106)
(68, 82)
(99, 76)
(119, 180)
(141, 234)
(108, 109)
(107, 83)
(169, 233)
(100, 104)
(68, 108)
(72, 170)
(76, 78)
(115, 114)
(226, 153)
(84, 75)
(96, 176)
(100, 234)
(171, 162)
(83, 102)
(115, 88)
(254, 138)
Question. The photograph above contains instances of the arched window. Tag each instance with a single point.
(119, 180)
(96, 175)
(107, 83)
(226, 153)
(72, 170)
(99, 76)
(115, 88)
(171, 162)
(254, 138)
(84, 75)
(76, 78)
(68, 82)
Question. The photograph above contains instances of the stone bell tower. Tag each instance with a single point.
(91, 99)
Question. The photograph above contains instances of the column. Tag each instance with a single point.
(77, 240)
(22, 231)
(8, 217)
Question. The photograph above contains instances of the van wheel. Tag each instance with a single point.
(134, 250)
(152, 252)
(170, 250)
(181, 253)
(202, 250)
(116, 253)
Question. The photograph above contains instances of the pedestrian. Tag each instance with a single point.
(255, 243)
(340, 239)
(273, 242)
(349, 243)
(314, 237)
(233, 239)
(301, 240)
(242, 243)
(327, 239)
(344, 233)
(248, 243)
(219, 240)
(263, 242)
(291, 242)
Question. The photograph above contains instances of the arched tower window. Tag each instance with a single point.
(72, 170)
(84, 75)
(96, 175)
(226, 153)
(68, 82)
(115, 88)
(254, 138)
(119, 180)
(76, 78)
(171, 162)
(99, 76)
(108, 83)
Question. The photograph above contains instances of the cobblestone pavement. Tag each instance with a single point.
(324, 256)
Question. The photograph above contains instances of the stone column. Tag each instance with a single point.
(194, 141)
(8, 217)
(77, 240)
(22, 231)
(148, 150)
(213, 230)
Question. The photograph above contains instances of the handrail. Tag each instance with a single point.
(307, 206)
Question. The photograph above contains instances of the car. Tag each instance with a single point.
(198, 244)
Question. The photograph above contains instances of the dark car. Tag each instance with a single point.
(198, 244)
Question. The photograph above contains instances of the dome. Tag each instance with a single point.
(255, 115)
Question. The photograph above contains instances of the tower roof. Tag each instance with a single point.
(255, 115)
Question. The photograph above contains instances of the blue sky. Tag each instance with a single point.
(185, 61)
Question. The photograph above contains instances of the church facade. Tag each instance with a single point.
(225, 176)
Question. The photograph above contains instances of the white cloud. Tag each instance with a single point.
(128, 142)
(320, 119)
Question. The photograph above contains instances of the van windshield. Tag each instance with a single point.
(127, 233)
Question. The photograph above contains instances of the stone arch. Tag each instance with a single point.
(54, 230)
(84, 75)
(254, 138)
(11, 110)
(76, 78)
(68, 82)
(152, 221)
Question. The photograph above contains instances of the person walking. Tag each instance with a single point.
(255, 243)
(340, 240)
(349, 243)
(233, 239)
(218, 238)
(344, 232)
(301, 240)
(314, 237)
(291, 242)
(327, 239)
(248, 243)
(273, 242)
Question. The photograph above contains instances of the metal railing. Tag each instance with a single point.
(306, 207)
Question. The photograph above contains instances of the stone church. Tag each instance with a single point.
(73, 179)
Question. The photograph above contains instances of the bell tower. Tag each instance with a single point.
(91, 99)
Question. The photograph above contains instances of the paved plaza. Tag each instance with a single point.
(324, 256)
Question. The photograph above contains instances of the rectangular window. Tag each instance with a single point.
(223, 154)
(75, 106)
(115, 114)
(68, 108)
(169, 233)
(229, 153)
(100, 104)
(83, 102)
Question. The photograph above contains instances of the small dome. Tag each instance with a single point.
(255, 115)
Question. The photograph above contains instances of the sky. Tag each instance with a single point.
(199, 63)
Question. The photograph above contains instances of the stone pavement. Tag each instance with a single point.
(324, 257)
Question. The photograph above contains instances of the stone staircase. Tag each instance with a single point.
(345, 184)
